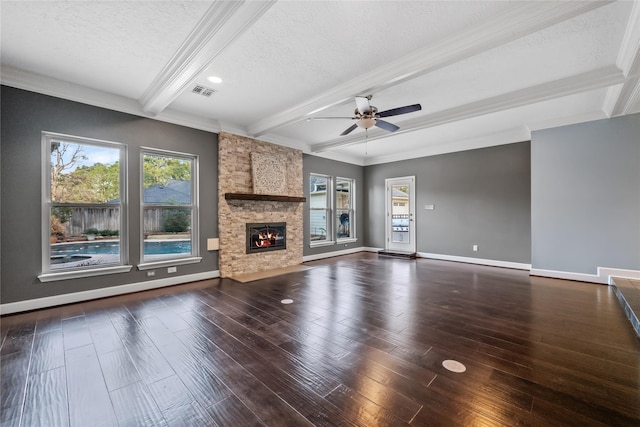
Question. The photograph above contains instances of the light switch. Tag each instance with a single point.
(429, 207)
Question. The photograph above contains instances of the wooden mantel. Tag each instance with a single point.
(263, 197)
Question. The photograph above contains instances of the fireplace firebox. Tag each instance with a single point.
(262, 237)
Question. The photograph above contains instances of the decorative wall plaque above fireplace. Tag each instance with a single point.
(262, 237)
(269, 173)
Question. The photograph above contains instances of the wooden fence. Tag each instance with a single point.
(108, 219)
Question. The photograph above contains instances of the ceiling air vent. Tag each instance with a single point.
(203, 90)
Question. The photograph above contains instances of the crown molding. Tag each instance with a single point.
(285, 142)
(234, 129)
(611, 99)
(567, 120)
(620, 100)
(509, 136)
(85, 95)
(526, 18)
(596, 79)
(341, 157)
(223, 22)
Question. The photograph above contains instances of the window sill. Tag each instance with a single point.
(350, 240)
(76, 274)
(169, 263)
(318, 244)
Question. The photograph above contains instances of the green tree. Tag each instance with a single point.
(100, 183)
(159, 170)
(176, 220)
(97, 183)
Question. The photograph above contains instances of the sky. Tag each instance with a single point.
(95, 154)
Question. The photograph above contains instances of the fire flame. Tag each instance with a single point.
(266, 239)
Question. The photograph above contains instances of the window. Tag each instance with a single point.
(84, 210)
(345, 213)
(320, 209)
(169, 209)
(331, 210)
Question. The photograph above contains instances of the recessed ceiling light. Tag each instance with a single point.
(214, 79)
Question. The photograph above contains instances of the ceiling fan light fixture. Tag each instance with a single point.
(366, 122)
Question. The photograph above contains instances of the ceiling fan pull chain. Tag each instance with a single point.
(366, 141)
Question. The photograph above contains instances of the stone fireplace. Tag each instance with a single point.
(239, 205)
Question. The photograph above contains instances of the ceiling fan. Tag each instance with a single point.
(367, 116)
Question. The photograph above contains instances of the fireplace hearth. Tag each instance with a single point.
(263, 237)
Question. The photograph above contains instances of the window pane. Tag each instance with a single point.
(343, 194)
(167, 233)
(318, 191)
(84, 237)
(344, 208)
(167, 180)
(400, 214)
(343, 223)
(319, 224)
(84, 173)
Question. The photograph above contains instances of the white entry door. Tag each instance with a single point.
(400, 214)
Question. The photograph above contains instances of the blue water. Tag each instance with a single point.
(103, 248)
(162, 248)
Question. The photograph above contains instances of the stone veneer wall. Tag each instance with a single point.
(234, 168)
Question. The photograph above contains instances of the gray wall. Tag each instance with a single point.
(313, 164)
(585, 196)
(481, 197)
(24, 116)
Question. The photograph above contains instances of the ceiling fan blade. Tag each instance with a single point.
(400, 110)
(363, 105)
(349, 130)
(386, 125)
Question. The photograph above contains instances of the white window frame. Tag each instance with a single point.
(49, 275)
(352, 211)
(329, 212)
(194, 256)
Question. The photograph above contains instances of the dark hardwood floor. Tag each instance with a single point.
(362, 344)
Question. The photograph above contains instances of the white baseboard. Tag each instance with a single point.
(603, 277)
(331, 254)
(567, 275)
(371, 249)
(488, 262)
(52, 301)
(608, 273)
(479, 261)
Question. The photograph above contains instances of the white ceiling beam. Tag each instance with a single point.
(597, 79)
(620, 99)
(517, 22)
(223, 22)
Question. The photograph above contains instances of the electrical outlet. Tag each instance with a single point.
(475, 248)
(151, 273)
(172, 269)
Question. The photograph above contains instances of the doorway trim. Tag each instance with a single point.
(389, 245)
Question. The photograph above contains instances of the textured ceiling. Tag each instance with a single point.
(485, 72)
